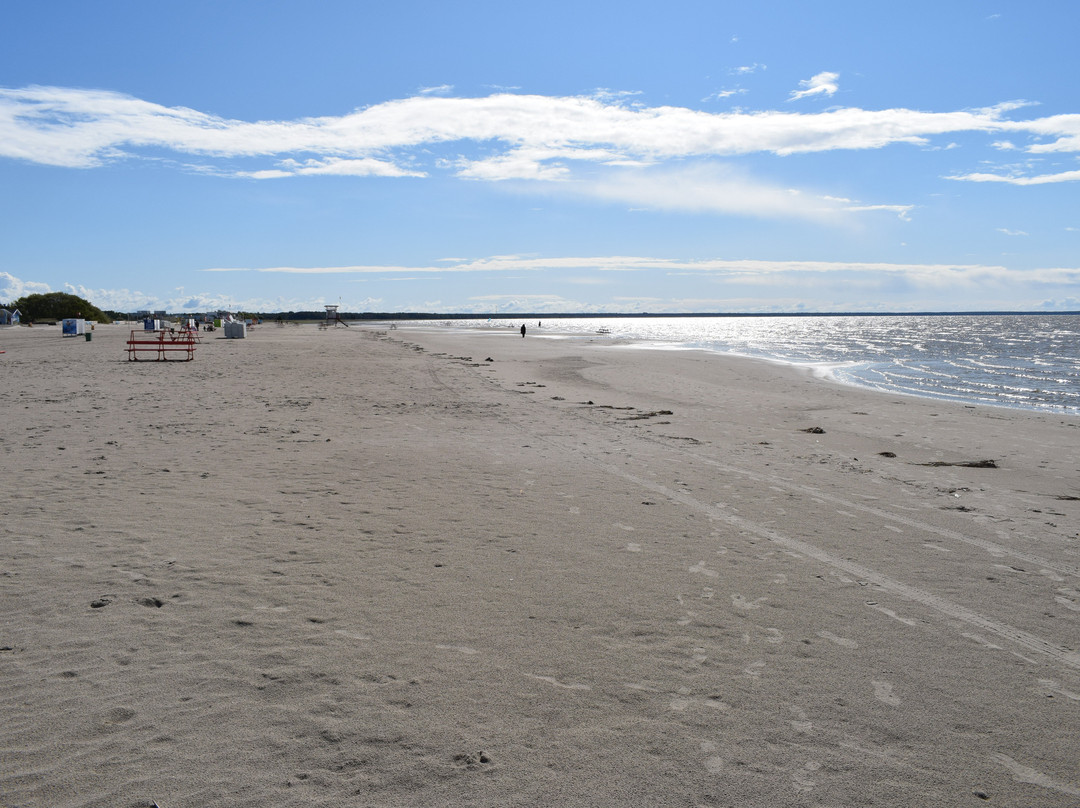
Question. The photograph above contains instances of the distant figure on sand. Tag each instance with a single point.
(523, 330)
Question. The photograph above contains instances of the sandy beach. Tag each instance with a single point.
(421, 568)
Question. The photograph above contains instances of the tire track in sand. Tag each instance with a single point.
(906, 591)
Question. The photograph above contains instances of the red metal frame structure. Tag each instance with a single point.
(161, 343)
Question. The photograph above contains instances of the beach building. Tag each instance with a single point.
(8, 317)
(333, 318)
(221, 316)
(73, 326)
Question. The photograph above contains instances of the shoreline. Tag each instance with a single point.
(825, 369)
(370, 564)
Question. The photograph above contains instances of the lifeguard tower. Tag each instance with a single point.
(333, 319)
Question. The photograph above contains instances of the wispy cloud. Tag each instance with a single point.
(1015, 179)
(925, 274)
(903, 212)
(821, 84)
(339, 166)
(543, 139)
(721, 189)
(720, 95)
(740, 285)
(179, 300)
(85, 128)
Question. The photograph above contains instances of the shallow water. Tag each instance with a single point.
(1030, 361)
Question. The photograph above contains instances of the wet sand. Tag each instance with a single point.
(369, 567)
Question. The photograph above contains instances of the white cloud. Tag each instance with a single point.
(717, 189)
(12, 288)
(88, 128)
(1065, 128)
(539, 298)
(903, 212)
(127, 300)
(1009, 232)
(932, 275)
(1061, 304)
(746, 285)
(1014, 179)
(720, 95)
(822, 84)
(606, 94)
(518, 164)
(338, 166)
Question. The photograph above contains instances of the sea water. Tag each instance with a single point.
(1030, 361)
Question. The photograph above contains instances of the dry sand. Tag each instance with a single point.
(360, 567)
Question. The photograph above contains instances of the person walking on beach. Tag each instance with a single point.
(523, 330)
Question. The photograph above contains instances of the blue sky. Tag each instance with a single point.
(543, 157)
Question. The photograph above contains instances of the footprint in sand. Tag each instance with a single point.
(843, 642)
(740, 602)
(700, 569)
(883, 691)
(1026, 774)
(633, 547)
(754, 668)
(714, 764)
(684, 701)
(551, 680)
(800, 723)
(977, 638)
(119, 715)
(352, 635)
(906, 621)
(1054, 686)
(1069, 598)
(801, 778)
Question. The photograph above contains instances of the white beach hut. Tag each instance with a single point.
(72, 327)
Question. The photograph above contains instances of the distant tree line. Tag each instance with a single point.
(57, 306)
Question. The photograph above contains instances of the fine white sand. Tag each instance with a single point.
(367, 567)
